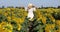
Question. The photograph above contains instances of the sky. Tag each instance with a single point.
(37, 3)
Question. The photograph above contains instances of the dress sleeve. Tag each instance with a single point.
(34, 9)
(25, 9)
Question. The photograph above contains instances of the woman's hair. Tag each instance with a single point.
(33, 6)
(30, 6)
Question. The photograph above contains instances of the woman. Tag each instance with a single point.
(30, 10)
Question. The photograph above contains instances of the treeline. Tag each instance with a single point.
(48, 7)
(24, 7)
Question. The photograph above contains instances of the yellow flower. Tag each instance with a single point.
(48, 26)
(52, 19)
(57, 31)
(8, 9)
(19, 27)
(3, 24)
(47, 30)
(5, 27)
(52, 26)
(9, 18)
(44, 20)
(58, 22)
(5, 14)
(20, 20)
(12, 9)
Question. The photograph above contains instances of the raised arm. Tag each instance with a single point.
(26, 9)
(34, 9)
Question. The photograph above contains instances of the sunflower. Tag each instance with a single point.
(44, 20)
(5, 27)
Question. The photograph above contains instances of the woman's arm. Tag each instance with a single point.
(26, 9)
(34, 9)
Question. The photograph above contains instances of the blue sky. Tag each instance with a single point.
(37, 3)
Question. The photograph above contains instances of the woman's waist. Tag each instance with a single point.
(30, 13)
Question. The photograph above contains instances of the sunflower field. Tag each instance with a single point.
(15, 20)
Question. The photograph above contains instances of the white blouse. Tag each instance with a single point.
(30, 13)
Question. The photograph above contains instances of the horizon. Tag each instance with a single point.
(37, 3)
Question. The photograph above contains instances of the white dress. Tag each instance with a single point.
(30, 13)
